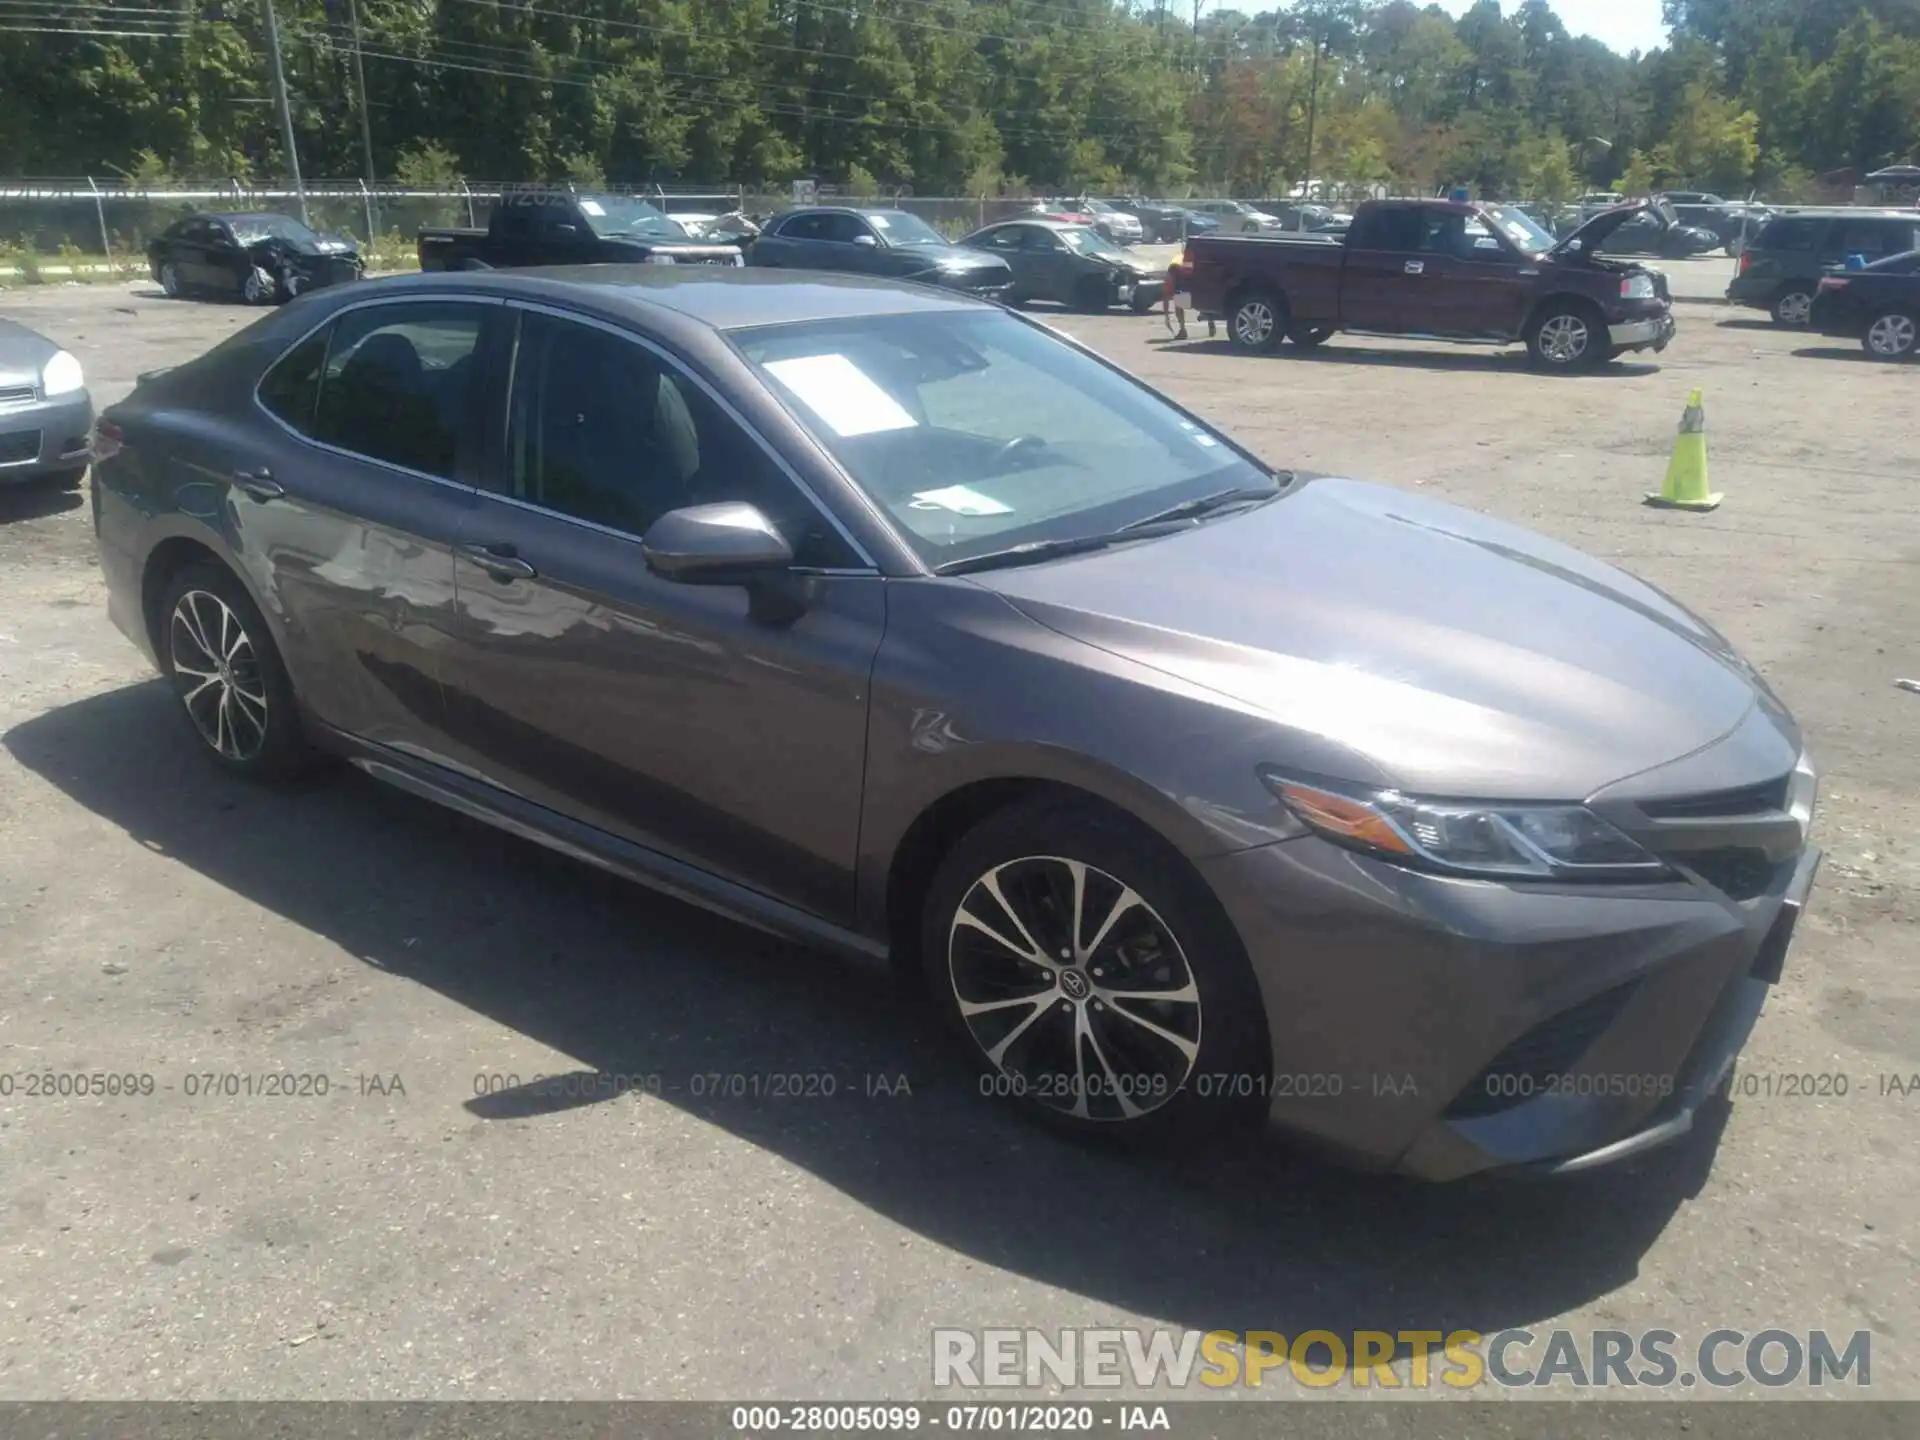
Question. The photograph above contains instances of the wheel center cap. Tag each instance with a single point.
(1075, 985)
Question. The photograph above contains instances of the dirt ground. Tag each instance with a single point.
(411, 1234)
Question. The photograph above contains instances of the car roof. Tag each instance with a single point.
(1041, 220)
(1843, 212)
(721, 297)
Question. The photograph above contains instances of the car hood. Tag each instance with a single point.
(1431, 648)
(959, 258)
(311, 248)
(22, 353)
(1595, 232)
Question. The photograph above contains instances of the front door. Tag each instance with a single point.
(698, 720)
(1389, 282)
(352, 507)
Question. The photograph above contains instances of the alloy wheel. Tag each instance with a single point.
(1073, 987)
(1253, 323)
(1795, 308)
(1564, 339)
(217, 672)
(255, 289)
(1891, 337)
(170, 280)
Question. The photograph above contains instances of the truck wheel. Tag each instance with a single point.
(1257, 322)
(1567, 336)
(1793, 306)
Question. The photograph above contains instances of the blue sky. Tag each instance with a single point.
(1623, 24)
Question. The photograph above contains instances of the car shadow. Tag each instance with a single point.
(1836, 352)
(1252, 1235)
(1742, 323)
(1476, 361)
(39, 498)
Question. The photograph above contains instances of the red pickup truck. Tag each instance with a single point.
(1440, 270)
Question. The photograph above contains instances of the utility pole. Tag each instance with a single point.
(360, 84)
(1313, 110)
(286, 113)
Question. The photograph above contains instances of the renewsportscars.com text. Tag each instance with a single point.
(1097, 1359)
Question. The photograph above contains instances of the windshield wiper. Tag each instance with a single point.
(1207, 504)
(1032, 553)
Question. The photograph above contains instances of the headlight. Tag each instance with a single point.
(1637, 287)
(1506, 842)
(1803, 791)
(61, 375)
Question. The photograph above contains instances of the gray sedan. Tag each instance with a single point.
(46, 415)
(886, 619)
(1071, 264)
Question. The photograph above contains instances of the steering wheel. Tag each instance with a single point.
(1020, 445)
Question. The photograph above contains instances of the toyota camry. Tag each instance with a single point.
(883, 618)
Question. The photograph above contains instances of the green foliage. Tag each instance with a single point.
(956, 96)
(860, 183)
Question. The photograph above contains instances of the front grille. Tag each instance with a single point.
(18, 394)
(1527, 1069)
(19, 448)
(1764, 799)
(1738, 872)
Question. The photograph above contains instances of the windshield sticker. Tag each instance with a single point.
(593, 207)
(841, 394)
(961, 500)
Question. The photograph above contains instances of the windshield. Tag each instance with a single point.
(1083, 241)
(900, 228)
(1521, 229)
(976, 431)
(251, 229)
(610, 215)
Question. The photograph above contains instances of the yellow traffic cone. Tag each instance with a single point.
(1686, 485)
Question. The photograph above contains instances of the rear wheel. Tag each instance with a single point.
(228, 675)
(1567, 336)
(1793, 306)
(1092, 978)
(1892, 336)
(1257, 322)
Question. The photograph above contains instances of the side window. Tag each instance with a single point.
(1041, 239)
(800, 227)
(1795, 235)
(515, 221)
(1395, 229)
(842, 228)
(397, 383)
(1007, 239)
(603, 429)
(291, 388)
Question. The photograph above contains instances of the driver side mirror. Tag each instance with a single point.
(723, 544)
(866, 242)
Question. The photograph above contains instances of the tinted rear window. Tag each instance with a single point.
(1793, 235)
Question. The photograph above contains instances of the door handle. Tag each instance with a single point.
(260, 484)
(499, 561)
(1416, 267)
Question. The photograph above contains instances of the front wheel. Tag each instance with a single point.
(1793, 307)
(1145, 304)
(259, 287)
(1257, 323)
(1566, 337)
(1092, 978)
(1891, 336)
(169, 278)
(227, 673)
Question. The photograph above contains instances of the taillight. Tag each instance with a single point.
(1834, 282)
(1746, 261)
(108, 441)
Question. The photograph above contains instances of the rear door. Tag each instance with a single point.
(354, 500)
(697, 720)
(1387, 283)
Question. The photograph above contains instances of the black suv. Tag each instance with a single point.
(1780, 271)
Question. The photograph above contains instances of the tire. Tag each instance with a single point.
(259, 288)
(1735, 246)
(1145, 304)
(1311, 337)
(292, 287)
(1257, 322)
(241, 710)
(1153, 1068)
(1092, 296)
(169, 277)
(1892, 336)
(1567, 336)
(1793, 306)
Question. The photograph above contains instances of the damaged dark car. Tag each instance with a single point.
(263, 259)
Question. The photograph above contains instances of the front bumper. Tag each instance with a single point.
(1439, 1027)
(1654, 333)
(40, 437)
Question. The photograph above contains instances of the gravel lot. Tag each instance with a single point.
(405, 1237)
